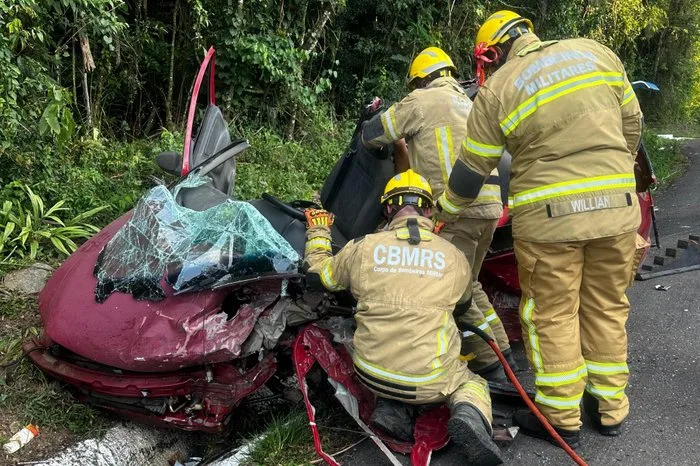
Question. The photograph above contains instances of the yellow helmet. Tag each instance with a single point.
(495, 28)
(429, 61)
(408, 188)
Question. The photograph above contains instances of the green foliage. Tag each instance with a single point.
(26, 395)
(268, 59)
(290, 169)
(287, 441)
(666, 158)
(26, 225)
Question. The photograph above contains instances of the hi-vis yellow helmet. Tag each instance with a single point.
(495, 28)
(408, 188)
(428, 61)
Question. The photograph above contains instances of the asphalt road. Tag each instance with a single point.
(664, 359)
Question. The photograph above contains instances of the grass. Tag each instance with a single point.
(26, 396)
(679, 129)
(666, 157)
(286, 439)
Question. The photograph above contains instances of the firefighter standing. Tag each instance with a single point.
(432, 119)
(408, 282)
(567, 113)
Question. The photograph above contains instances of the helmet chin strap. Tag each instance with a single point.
(484, 55)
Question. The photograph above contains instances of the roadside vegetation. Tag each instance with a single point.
(92, 90)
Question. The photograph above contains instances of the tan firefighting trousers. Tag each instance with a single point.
(458, 385)
(473, 236)
(573, 314)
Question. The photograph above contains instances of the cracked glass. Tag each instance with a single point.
(189, 250)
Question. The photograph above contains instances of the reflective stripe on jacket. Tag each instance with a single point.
(405, 294)
(567, 113)
(433, 121)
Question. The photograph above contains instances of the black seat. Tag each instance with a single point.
(201, 198)
(354, 187)
(213, 136)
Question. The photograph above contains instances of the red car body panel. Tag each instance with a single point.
(214, 392)
(177, 332)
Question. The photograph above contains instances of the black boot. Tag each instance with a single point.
(393, 418)
(468, 429)
(512, 362)
(493, 373)
(531, 426)
(590, 407)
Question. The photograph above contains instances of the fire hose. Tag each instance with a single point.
(526, 399)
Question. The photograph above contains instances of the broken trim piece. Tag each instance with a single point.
(314, 345)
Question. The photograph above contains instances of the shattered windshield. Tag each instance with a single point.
(190, 250)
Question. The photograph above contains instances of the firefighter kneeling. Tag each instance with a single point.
(409, 283)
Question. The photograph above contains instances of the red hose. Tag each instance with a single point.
(514, 380)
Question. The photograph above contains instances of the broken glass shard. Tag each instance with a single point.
(189, 250)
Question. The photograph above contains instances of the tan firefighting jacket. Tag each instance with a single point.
(406, 293)
(433, 122)
(567, 113)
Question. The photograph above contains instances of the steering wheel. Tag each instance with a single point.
(296, 210)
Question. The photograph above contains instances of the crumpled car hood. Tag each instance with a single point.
(177, 332)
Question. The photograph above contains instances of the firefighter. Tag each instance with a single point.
(432, 120)
(567, 113)
(408, 282)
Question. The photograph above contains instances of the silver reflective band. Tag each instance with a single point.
(567, 188)
(483, 150)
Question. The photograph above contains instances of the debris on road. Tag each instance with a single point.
(662, 287)
(21, 438)
(683, 258)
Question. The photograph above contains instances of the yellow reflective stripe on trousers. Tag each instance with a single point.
(442, 341)
(327, 276)
(389, 123)
(448, 206)
(628, 96)
(557, 379)
(534, 340)
(478, 387)
(481, 149)
(317, 243)
(550, 93)
(482, 325)
(558, 402)
(491, 315)
(606, 392)
(607, 368)
(567, 188)
(393, 376)
(446, 153)
(488, 193)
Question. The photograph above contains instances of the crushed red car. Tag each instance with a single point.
(176, 312)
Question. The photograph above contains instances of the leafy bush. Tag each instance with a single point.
(26, 225)
(666, 157)
(88, 173)
(290, 169)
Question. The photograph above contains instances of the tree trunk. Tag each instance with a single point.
(88, 66)
(171, 74)
(658, 55)
(88, 62)
(86, 94)
(316, 33)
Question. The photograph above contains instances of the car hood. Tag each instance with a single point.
(177, 332)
